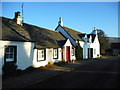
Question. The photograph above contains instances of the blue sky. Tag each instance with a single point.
(81, 16)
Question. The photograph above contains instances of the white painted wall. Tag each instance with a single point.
(24, 53)
(48, 58)
(85, 50)
(95, 45)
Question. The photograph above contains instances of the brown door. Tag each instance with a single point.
(67, 53)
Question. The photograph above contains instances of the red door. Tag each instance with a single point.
(67, 53)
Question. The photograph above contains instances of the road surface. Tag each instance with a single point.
(97, 73)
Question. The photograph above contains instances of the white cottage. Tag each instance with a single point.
(89, 42)
(27, 45)
(15, 45)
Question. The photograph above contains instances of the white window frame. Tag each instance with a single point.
(10, 54)
(73, 51)
(55, 53)
(41, 54)
(94, 51)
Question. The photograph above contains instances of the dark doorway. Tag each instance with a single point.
(90, 52)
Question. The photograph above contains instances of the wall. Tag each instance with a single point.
(95, 45)
(48, 59)
(85, 50)
(36, 63)
(24, 53)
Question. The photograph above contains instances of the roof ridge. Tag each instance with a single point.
(72, 29)
(41, 27)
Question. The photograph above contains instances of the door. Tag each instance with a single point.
(67, 53)
(10, 54)
(90, 52)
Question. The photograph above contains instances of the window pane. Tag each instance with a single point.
(55, 53)
(40, 54)
(7, 55)
(7, 49)
(11, 49)
(11, 56)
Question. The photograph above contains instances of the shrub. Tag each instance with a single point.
(9, 68)
(78, 51)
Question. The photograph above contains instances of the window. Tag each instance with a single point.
(55, 53)
(94, 51)
(10, 53)
(41, 54)
(73, 51)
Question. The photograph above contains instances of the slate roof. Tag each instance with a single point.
(88, 36)
(93, 37)
(73, 33)
(43, 38)
(13, 32)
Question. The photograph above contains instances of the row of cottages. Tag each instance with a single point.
(27, 45)
(89, 42)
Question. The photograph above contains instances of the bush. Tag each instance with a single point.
(9, 68)
(78, 51)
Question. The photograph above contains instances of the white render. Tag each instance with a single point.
(49, 57)
(96, 47)
(36, 63)
(24, 53)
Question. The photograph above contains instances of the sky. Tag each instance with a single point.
(80, 16)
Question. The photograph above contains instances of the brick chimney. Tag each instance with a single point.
(17, 18)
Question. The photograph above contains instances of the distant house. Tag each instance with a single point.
(27, 45)
(114, 46)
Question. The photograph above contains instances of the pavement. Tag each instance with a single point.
(38, 75)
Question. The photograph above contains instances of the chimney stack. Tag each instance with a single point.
(60, 21)
(95, 31)
(17, 18)
(94, 28)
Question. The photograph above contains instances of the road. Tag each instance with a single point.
(97, 73)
